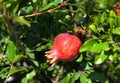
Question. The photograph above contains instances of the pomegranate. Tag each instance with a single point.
(65, 47)
(117, 11)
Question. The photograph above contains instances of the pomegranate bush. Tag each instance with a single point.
(29, 45)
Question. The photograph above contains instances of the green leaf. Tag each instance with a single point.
(98, 47)
(116, 31)
(35, 62)
(34, 1)
(88, 44)
(16, 8)
(17, 69)
(31, 55)
(100, 58)
(102, 18)
(75, 77)
(21, 20)
(11, 51)
(112, 13)
(2, 71)
(31, 75)
(18, 57)
(66, 79)
(93, 28)
(47, 6)
(84, 79)
(80, 58)
(117, 21)
(56, 2)
(111, 21)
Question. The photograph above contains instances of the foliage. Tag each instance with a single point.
(28, 27)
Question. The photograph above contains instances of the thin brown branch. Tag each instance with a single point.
(10, 27)
(48, 11)
(5, 13)
(58, 75)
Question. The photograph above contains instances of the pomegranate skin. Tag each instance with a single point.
(117, 11)
(65, 47)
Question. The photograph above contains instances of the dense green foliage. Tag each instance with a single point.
(28, 27)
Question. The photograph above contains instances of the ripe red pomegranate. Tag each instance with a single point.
(65, 47)
(117, 11)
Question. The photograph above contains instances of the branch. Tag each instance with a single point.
(48, 11)
(58, 75)
(10, 27)
(5, 13)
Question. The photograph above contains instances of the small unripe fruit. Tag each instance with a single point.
(65, 47)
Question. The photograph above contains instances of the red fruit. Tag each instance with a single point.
(65, 47)
(117, 11)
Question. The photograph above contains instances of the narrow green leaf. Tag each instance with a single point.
(35, 62)
(56, 2)
(75, 77)
(47, 6)
(4, 70)
(30, 75)
(18, 57)
(79, 58)
(100, 58)
(21, 20)
(16, 8)
(17, 69)
(117, 20)
(98, 47)
(88, 44)
(102, 18)
(24, 80)
(66, 79)
(111, 22)
(11, 51)
(116, 31)
(93, 28)
(31, 55)
(112, 13)
(83, 78)
(34, 1)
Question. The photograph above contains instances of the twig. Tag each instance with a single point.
(58, 75)
(10, 27)
(48, 11)
(5, 13)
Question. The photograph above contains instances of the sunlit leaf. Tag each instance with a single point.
(75, 77)
(31, 75)
(18, 57)
(21, 20)
(35, 62)
(11, 51)
(117, 20)
(47, 6)
(84, 79)
(98, 47)
(31, 55)
(17, 69)
(116, 31)
(88, 44)
(80, 58)
(100, 58)
(56, 2)
(93, 28)
(66, 79)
